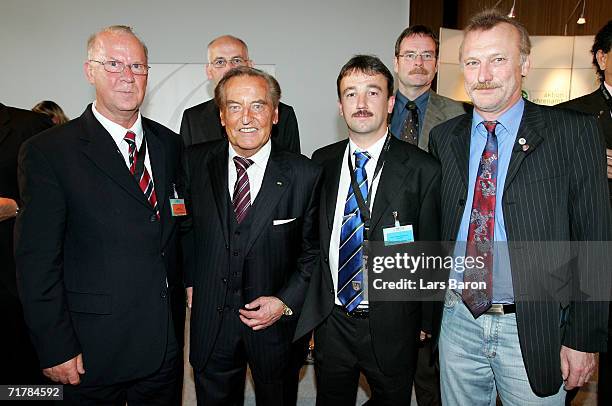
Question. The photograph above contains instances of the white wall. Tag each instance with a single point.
(43, 46)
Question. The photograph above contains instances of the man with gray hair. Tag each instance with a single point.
(201, 123)
(95, 239)
(516, 171)
(250, 250)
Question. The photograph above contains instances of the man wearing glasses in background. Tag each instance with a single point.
(418, 108)
(95, 240)
(201, 123)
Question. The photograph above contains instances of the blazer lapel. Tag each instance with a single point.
(433, 114)
(217, 168)
(392, 178)
(100, 148)
(276, 181)
(461, 146)
(531, 125)
(329, 190)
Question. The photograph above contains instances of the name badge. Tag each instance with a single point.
(398, 234)
(177, 207)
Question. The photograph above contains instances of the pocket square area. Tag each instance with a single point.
(283, 221)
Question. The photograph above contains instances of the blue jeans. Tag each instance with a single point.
(480, 358)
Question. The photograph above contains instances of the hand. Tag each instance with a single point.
(67, 373)
(8, 208)
(270, 310)
(609, 159)
(189, 296)
(576, 367)
(424, 336)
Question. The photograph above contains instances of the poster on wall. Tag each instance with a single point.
(174, 87)
(561, 68)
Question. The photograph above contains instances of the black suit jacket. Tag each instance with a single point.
(16, 126)
(92, 257)
(595, 104)
(277, 260)
(554, 191)
(409, 184)
(201, 123)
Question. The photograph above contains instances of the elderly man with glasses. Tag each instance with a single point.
(201, 123)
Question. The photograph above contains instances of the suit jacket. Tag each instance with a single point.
(96, 268)
(439, 109)
(275, 260)
(554, 191)
(16, 126)
(409, 184)
(595, 104)
(201, 123)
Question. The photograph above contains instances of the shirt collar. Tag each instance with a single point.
(117, 131)
(260, 158)
(510, 120)
(609, 87)
(374, 150)
(421, 101)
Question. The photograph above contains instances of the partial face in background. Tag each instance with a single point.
(248, 114)
(493, 69)
(118, 95)
(364, 103)
(417, 63)
(225, 49)
(604, 60)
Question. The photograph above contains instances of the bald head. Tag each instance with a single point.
(224, 53)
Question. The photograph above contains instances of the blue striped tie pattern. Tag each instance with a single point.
(350, 275)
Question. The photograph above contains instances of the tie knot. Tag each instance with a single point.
(490, 126)
(242, 163)
(361, 159)
(130, 138)
(411, 105)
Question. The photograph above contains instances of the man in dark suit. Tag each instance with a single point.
(95, 240)
(417, 107)
(599, 104)
(251, 248)
(353, 335)
(16, 126)
(416, 111)
(201, 123)
(516, 171)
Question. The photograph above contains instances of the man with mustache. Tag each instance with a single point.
(352, 334)
(516, 171)
(416, 111)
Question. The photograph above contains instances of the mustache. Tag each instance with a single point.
(486, 85)
(419, 70)
(362, 113)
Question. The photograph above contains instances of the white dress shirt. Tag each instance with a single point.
(609, 88)
(255, 172)
(343, 188)
(118, 132)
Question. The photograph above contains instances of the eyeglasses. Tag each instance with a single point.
(412, 56)
(221, 63)
(118, 67)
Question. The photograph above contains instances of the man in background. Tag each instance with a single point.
(16, 127)
(599, 104)
(201, 123)
(418, 109)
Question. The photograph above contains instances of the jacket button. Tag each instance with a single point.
(325, 259)
(236, 253)
(224, 280)
(226, 246)
(163, 253)
(219, 309)
(164, 293)
(153, 218)
(331, 291)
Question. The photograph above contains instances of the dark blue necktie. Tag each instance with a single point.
(350, 275)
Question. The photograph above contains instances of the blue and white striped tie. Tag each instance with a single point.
(350, 275)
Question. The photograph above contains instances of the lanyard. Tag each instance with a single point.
(364, 205)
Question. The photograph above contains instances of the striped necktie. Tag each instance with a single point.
(350, 261)
(145, 182)
(482, 226)
(241, 199)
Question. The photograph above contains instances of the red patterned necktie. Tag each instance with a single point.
(145, 182)
(482, 226)
(241, 199)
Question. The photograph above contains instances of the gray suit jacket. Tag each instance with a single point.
(439, 110)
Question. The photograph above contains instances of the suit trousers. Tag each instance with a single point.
(158, 388)
(427, 377)
(343, 349)
(222, 380)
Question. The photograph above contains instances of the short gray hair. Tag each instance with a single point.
(113, 29)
